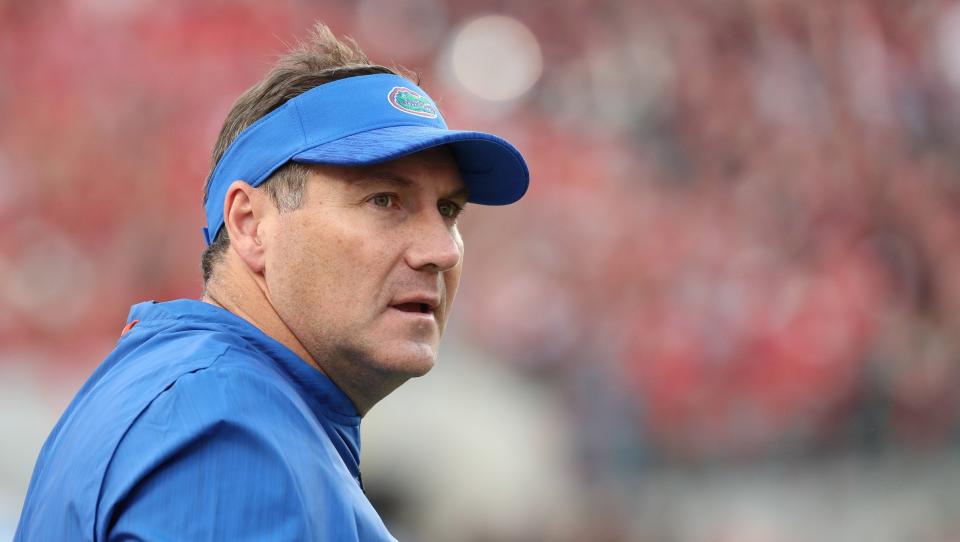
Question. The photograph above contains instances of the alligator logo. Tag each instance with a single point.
(409, 101)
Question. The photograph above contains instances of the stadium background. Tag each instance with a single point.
(728, 309)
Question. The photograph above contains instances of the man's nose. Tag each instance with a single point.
(434, 246)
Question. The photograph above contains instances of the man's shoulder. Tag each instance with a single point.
(194, 378)
(232, 432)
(140, 370)
(228, 384)
(228, 398)
(163, 380)
(167, 340)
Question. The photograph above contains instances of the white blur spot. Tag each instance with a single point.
(496, 58)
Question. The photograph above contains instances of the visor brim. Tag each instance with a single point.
(493, 170)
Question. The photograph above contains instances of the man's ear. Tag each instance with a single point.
(244, 211)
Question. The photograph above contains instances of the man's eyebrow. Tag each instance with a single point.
(373, 177)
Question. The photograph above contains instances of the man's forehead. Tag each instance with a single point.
(440, 160)
(430, 168)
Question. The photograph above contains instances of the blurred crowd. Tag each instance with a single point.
(750, 239)
(742, 238)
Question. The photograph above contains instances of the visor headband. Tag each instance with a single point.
(323, 114)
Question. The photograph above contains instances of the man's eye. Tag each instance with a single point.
(449, 209)
(382, 200)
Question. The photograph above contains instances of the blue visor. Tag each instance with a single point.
(360, 121)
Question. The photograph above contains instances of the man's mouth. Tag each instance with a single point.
(416, 303)
(422, 308)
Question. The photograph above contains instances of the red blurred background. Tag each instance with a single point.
(741, 245)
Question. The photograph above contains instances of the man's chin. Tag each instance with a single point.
(408, 359)
(382, 366)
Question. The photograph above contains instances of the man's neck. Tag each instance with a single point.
(249, 302)
(241, 294)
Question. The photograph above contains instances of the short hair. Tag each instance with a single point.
(321, 59)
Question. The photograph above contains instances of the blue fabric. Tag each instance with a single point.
(200, 427)
(359, 121)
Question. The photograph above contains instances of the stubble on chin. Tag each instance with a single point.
(363, 377)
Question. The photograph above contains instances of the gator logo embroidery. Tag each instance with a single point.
(409, 101)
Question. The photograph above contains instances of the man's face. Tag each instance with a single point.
(364, 273)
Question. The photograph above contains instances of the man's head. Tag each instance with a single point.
(332, 209)
(321, 59)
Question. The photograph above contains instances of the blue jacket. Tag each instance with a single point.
(198, 427)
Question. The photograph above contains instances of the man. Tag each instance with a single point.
(333, 259)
